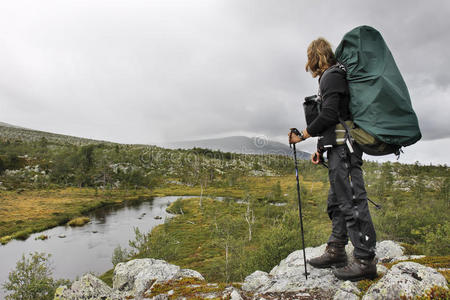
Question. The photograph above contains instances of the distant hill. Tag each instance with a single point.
(235, 144)
(240, 144)
(10, 125)
(13, 132)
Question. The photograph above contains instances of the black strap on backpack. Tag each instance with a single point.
(348, 137)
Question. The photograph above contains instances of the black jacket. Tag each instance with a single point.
(333, 88)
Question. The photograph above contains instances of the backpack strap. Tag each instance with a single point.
(348, 138)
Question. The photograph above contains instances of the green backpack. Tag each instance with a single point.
(383, 117)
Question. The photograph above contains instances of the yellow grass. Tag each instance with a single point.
(35, 210)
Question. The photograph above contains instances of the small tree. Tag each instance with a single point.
(32, 279)
(120, 255)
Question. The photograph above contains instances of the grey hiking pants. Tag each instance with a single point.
(347, 202)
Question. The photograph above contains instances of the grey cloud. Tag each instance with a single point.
(156, 71)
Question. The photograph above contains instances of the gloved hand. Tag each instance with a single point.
(316, 157)
(296, 136)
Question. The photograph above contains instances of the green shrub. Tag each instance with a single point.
(158, 244)
(276, 244)
(177, 207)
(120, 255)
(32, 279)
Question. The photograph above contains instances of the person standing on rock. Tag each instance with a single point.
(347, 197)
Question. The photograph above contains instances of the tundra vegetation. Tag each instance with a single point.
(46, 180)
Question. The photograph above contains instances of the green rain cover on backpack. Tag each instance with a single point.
(379, 99)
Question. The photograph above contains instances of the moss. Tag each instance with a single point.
(364, 285)
(42, 237)
(22, 235)
(59, 293)
(436, 292)
(237, 285)
(107, 277)
(409, 249)
(434, 261)
(4, 240)
(191, 288)
(429, 261)
(446, 274)
(80, 221)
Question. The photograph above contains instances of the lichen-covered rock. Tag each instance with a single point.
(347, 290)
(60, 292)
(136, 279)
(381, 270)
(405, 279)
(289, 275)
(126, 273)
(87, 287)
(235, 295)
(256, 281)
(185, 273)
(386, 251)
(138, 275)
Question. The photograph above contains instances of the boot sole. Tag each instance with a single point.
(335, 265)
(371, 277)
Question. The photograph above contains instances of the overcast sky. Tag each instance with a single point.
(156, 71)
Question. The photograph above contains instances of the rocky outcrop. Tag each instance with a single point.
(131, 280)
(157, 279)
(347, 290)
(405, 279)
(289, 276)
(137, 276)
(87, 287)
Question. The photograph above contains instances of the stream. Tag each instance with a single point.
(78, 250)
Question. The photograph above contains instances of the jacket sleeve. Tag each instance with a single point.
(332, 86)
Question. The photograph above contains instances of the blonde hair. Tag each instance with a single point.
(320, 57)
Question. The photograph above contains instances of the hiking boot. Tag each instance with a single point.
(334, 256)
(359, 269)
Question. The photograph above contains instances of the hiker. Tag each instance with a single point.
(347, 197)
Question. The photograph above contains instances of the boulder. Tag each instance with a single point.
(87, 287)
(184, 273)
(235, 295)
(386, 251)
(407, 279)
(136, 278)
(381, 270)
(289, 276)
(256, 281)
(347, 290)
(138, 275)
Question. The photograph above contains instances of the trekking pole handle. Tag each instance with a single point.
(298, 133)
(295, 131)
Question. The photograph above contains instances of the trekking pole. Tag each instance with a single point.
(300, 209)
(377, 206)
